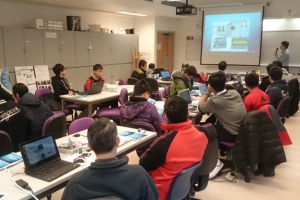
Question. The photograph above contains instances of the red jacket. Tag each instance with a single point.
(91, 80)
(180, 148)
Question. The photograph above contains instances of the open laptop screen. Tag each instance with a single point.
(165, 74)
(202, 89)
(185, 94)
(39, 151)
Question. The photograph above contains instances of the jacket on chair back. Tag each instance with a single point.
(257, 141)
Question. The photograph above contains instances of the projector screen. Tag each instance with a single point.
(232, 34)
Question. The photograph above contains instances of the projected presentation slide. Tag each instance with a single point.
(233, 37)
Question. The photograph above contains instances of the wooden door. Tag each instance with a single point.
(164, 46)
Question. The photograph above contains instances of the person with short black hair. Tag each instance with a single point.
(285, 55)
(150, 69)
(139, 109)
(182, 80)
(256, 98)
(265, 82)
(227, 106)
(184, 66)
(285, 74)
(37, 111)
(278, 88)
(140, 72)
(109, 176)
(180, 148)
(222, 67)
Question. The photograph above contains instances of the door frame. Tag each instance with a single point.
(170, 67)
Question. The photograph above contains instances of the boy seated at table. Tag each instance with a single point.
(109, 177)
(97, 77)
(139, 109)
(181, 147)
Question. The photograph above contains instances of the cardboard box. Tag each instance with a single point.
(36, 23)
(104, 30)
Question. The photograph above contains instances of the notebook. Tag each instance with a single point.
(165, 75)
(42, 160)
(185, 94)
(96, 88)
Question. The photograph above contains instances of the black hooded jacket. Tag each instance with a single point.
(37, 111)
(60, 86)
(277, 90)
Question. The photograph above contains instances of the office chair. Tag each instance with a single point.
(5, 143)
(56, 125)
(132, 81)
(283, 107)
(80, 125)
(181, 184)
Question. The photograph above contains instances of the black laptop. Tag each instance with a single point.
(42, 160)
(95, 88)
(165, 75)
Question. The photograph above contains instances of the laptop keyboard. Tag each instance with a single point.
(50, 168)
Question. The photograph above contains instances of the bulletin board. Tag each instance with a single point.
(193, 47)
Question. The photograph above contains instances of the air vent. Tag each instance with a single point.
(174, 3)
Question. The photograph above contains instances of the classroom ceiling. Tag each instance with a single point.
(148, 7)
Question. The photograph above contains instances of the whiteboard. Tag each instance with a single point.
(272, 40)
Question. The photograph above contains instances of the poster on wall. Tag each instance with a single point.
(42, 76)
(25, 74)
(193, 46)
(34, 77)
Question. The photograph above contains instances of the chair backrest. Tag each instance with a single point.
(5, 143)
(123, 98)
(122, 82)
(84, 87)
(283, 106)
(40, 92)
(167, 90)
(181, 184)
(153, 84)
(80, 124)
(132, 81)
(140, 124)
(291, 84)
(56, 125)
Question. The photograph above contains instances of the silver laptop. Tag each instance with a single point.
(96, 88)
(42, 160)
(185, 94)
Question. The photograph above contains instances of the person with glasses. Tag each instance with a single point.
(182, 80)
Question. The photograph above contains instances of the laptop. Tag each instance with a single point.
(42, 160)
(239, 78)
(96, 88)
(185, 94)
(202, 89)
(165, 75)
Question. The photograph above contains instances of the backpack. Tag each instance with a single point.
(50, 101)
(236, 86)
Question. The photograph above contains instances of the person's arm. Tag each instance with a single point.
(149, 190)
(283, 57)
(56, 89)
(88, 84)
(205, 96)
(156, 155)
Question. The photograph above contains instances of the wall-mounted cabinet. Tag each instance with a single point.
(34, 47)
(67, 48)
(51, 48)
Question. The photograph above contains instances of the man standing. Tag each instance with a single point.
(108, 176)
(285, 55)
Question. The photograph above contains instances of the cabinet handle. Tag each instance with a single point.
(24, 50)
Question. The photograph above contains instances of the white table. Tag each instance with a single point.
(42, 188)
(161, 82)
(91, 100)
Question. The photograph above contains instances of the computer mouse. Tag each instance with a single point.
(79, 160)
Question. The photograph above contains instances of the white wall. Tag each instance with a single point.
(18, 15)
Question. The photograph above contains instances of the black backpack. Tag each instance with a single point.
(50, 101)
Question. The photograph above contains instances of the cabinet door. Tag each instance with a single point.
(34, 47)
(82, 50)
(116, 72)
(107, 73)
(51, 48)
(126, 71)
(126, 49)
(2, 61)
(95, 48)
(82, 75)
(134, 42)
(72, 78)
(105, 48)
(116, 46)
(14, 47)
(67, 48)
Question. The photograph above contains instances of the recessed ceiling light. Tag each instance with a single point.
(132, 13)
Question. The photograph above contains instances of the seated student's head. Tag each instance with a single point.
(59, 70)
(252, 80)
(217, 81)
(97, 70)
(190, 72)
(142, 89)
(184, 66)
(222, 65)
(143, 65)
(19, 89)
(176, 109)
(284, 45)
(151, 66)
(277, 63)
(270, 66)
(275, 74)
(102, 136)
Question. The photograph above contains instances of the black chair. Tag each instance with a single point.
(5, 143)
(283, 107)
(132, 81)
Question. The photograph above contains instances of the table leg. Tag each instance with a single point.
(90, 111)
(63, 105)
